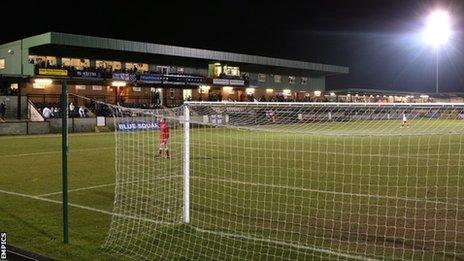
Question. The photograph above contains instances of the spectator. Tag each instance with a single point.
(2, 110)
(56, 112)
(71, 109)
(82, 112)
(46, 113)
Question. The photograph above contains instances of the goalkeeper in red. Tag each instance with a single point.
(164, 136)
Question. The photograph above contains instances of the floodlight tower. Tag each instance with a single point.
(437, 33)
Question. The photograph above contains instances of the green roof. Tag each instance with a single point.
(83, 41)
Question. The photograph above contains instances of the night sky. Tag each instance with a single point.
(379, 40)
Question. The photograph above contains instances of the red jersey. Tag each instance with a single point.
(164, 130)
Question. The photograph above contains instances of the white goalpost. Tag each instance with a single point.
(289, 181)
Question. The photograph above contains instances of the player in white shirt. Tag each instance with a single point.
(404, 121)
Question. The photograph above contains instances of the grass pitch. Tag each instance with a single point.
(391, 197)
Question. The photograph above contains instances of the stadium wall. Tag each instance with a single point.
(10, 53)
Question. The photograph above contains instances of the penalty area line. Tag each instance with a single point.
(109, 184)
(77, 189)
(85, 208)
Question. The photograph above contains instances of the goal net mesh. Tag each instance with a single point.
(291, 182)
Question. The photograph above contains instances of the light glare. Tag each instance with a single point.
(437, 28)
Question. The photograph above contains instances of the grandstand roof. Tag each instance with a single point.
(98, 43)
(392, 92)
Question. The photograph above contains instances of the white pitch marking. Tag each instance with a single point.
(283, 243)
(107, 185)
(84, 207)
(324, 191)
(77, 189)
(53, 152)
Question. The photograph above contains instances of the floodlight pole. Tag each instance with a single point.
(436, 69)
(186, 166)
(64, 156)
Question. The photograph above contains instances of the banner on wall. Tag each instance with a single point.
(150, 78)
(237, 82)
(127, 77)
(86, 74)
(138, 125)
(52, 72)
(219, 81)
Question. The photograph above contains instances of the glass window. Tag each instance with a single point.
(180, 69)
(304, 80)
(80, 87)
(42, 61)
(187, 94)
(110, 65)
(141, 67)
(97, 87)
(217, 69)
(2, 64)
(291, 79)
(77, 63)
(136, 89)
(231, 71)
(277, 78)
(262, 77)
(162, 69)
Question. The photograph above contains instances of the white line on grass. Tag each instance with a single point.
(324, 191)
(259, 184)
(53, 152)
(283, 243)
(107, 185)
(321, 250)
(85, 207)
(77, 189)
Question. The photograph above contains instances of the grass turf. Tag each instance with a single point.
(241, 184)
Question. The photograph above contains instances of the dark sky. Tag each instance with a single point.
(379, 40)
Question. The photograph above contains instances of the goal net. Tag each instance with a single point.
(289, 181)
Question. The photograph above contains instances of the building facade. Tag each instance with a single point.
(135, 73)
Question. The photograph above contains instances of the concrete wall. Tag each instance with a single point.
(49, 126)
(12, 104)
(24, 128)
(74, 125)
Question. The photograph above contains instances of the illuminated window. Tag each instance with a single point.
(291, 79)
(261, 77)
(304, 80)
(76, 63)
(80, 87)
(228, 89)
(286, 92)
(2, 64)
(231, 71)
(110, 65)
(141, 67)
(187, 94)
(136, 89)
(277, 78)
(217, 69)
(42, 61)
(97, 87)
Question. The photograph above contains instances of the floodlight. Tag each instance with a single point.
(437, 28)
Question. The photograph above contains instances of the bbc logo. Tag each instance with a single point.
(2, 245)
